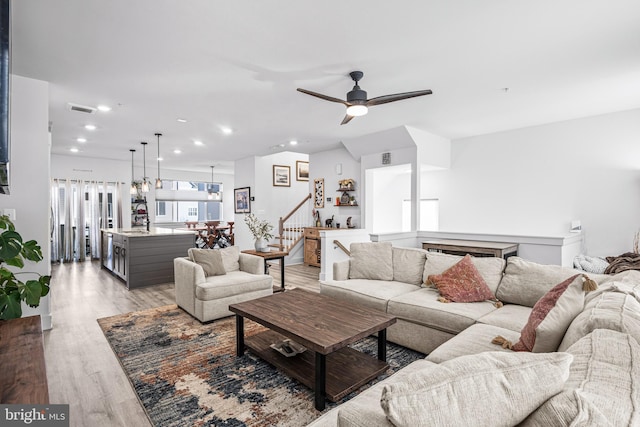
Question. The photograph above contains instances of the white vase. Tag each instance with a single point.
(261, 245)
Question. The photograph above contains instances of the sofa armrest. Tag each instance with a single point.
(251, 263)
(186, 275)
(341, 270)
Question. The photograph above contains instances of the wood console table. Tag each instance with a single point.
(23, 377)
(312, 245)
(472, 247)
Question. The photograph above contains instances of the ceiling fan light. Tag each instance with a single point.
(357, 110)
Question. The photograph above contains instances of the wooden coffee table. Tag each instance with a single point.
(325, 326)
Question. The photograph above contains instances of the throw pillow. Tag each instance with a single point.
(551, 316)
(372, 260)
(209, 259)
(231, 258)
(461, 283)
(485, 389)
(408, 264)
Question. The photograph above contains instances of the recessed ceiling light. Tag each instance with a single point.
(177, 151)
(81, 139)
(74, 150)
(293, 142)
(90, 127)
(280, 145)
(181, 120)
(226, 130)
(198, 142)
(104, 108)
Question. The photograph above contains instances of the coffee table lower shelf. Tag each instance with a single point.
(346, 369)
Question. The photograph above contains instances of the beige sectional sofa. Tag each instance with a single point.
(601, 385)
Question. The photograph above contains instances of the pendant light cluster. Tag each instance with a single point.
(145, 183)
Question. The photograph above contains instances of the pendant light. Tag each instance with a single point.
(158, 181)
(145, 184)
(133, 189)
(210, 196)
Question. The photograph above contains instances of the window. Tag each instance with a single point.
(180, 201)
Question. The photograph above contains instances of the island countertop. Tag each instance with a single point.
(142, 232)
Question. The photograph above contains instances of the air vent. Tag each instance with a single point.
(81, 108)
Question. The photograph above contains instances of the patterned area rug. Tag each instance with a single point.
(186, 373)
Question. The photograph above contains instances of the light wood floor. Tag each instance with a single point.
(82, 370)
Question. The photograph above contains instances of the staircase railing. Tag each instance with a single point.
(291, 226)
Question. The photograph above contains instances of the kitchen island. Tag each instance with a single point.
(140, 257)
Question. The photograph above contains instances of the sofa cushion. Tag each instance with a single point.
(371, 260)
(525, 282)
(233, 283)
(230, 258)
(209, 259)
(509, 316)
(490, 268)
(487, 389)
(473, 340)
(364, 410)
(422, 307)
(603, 384)
(616, 307)
(461, 283)
(408, 265)
(551, 316)
(371, 293)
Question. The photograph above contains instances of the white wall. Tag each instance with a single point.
(270, 202)
(534, 181)
(29, 176)
(323, 165)
(388, 187)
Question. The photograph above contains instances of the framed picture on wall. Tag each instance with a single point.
(318, 193)
(242, 200)
(302, 171)
(281, 176)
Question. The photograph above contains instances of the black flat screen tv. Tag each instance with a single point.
(5, 47)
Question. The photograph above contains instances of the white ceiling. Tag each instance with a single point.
(238, 63)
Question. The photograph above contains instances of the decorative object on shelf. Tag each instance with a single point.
(349, 224)
(328, 222)
(158, 180)
(346, 185)
(316, 218)
(318, 194)
(145, 183)
(13, 252)
(261, 231)
(212, 194)
(288, 348)
(302, 171)
(242, 197)
(281, 176)
(345, 198)
(134, 190)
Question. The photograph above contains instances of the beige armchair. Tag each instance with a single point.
(208, 297)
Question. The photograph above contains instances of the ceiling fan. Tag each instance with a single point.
(357, 102)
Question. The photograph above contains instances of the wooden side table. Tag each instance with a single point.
(268, 256)
(472, 247)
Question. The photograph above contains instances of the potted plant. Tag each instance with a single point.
(261, 231)
(13, 252)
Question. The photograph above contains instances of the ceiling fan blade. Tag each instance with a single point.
(321, 96)
(346, 119)
(396, 97)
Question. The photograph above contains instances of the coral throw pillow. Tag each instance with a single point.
(551, 316)
(461, 283)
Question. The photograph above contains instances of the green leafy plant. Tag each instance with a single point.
(13, 252)
(259, 228)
